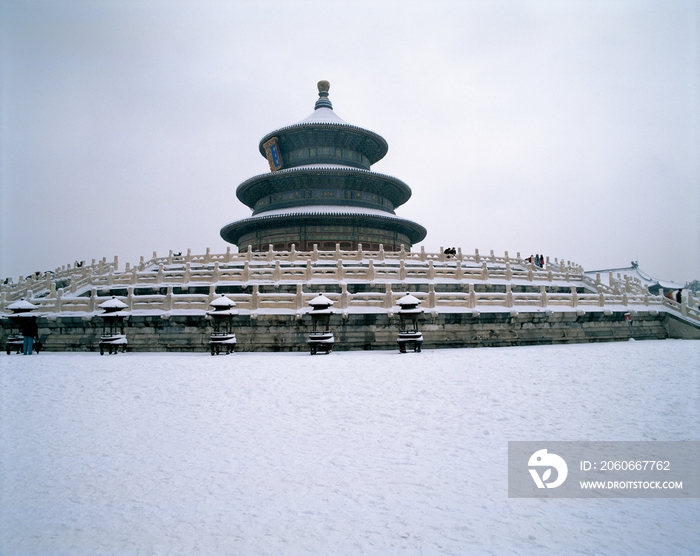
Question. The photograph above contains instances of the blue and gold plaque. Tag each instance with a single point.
(274, 156)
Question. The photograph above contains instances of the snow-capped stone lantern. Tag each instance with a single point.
(113, 338)
(409, 336)
(223, 337)
(24, 324)
(321, 338)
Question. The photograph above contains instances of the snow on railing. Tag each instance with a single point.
(381, 298)
(85, 285)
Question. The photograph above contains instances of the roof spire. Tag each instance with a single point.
(323, 101)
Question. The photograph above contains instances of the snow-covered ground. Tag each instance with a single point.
(350, 453)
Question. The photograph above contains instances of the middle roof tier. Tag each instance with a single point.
(323, 185)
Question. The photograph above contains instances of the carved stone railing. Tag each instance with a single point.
(85, 286)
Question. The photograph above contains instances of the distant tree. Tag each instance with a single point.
(693, 286)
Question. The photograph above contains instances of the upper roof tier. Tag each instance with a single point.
(325, 138)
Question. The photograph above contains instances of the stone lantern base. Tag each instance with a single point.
(220, 343)
(409, 340)
(321, 342)
(112, 343)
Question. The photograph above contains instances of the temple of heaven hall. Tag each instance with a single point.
(320, 190)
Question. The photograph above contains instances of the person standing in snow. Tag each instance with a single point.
(30, 331)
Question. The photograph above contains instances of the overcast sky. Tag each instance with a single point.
(565, 128)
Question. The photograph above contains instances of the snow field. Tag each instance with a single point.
(350, 453)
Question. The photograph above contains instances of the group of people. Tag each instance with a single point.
(537, 260)
(450, 252)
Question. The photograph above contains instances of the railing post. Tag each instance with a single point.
(116, 263)
(477, 258)
(431, 296)
(215, 272)
(381, 251)
(402, 252)
(360, 253)
(314, 254)
(509, 271)
(370, 270)
(472, 296)
(246, 271)
(459, 274)
(574, 297)
(188, 258)
(212, 293)
(309, 270)
(422, 253)
(509, 296)
(299, 298)
(337, 255)
(341, 269)
(276, 273)
(254, 298)
(344, 296)
(130, 297)
(388, 297)
(484, 271)
(402, 270)
(270, 252)
(159, 275)
(293, 253)
(543, 296)
(431, 270)
(227, 257)
(168, 304)
(93, 299)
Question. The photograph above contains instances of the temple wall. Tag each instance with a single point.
(363, 331)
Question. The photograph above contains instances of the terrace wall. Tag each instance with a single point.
(364, 331)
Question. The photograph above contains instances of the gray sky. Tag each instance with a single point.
(565, 128)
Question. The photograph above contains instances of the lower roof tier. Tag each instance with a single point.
(304, 230)
(307, 185)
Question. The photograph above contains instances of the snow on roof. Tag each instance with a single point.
(408, 300)
(326, 209)
(324, 116)
(21, 305)
(113, 303)
(329, 166)
(635, 272)
(222, 301)
(320, 302)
